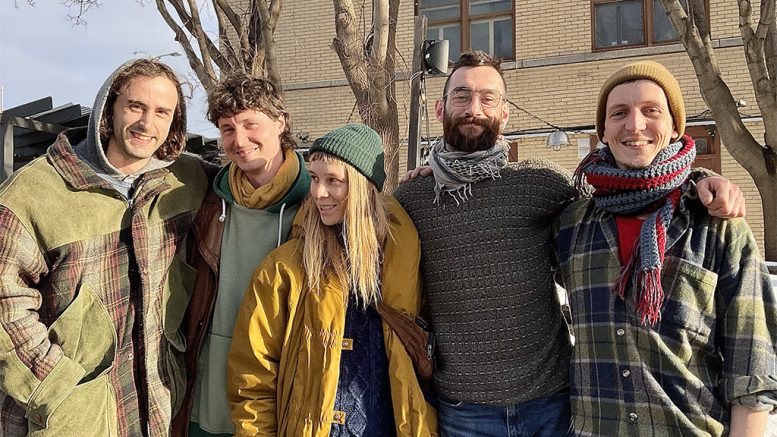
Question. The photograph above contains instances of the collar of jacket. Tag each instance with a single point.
(81, 176)
(299, 188)
(208, 230)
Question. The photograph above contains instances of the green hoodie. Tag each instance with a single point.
(249, 235)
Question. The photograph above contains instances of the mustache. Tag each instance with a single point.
(484, 122)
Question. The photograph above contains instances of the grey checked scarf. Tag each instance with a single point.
(455, 172)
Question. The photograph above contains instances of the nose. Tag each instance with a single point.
(318, 190)
(240, 136)
(635, 121)
(145, 118)
(474, 108)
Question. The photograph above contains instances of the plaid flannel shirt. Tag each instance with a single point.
(714, 344)
(92, 292)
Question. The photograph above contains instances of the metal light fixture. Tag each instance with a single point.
(435, 56)
(558, 139)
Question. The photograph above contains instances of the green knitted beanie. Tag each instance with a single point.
(649, 70)
(358, 145)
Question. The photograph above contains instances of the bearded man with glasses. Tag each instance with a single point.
(503, 346)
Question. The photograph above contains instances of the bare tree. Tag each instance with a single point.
(368, 59)
(245, 35)
(245, 38)
(759, 41)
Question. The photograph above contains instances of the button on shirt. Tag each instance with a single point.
(714, 343)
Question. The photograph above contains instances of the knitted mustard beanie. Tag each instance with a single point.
(358, 145)
(649, 70)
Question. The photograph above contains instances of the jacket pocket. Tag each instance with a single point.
(688, 314)
(178, 291)
(86, 334)
(89, 411)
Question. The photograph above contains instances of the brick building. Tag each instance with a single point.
(557, 53)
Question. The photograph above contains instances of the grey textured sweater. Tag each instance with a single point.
(486, 263)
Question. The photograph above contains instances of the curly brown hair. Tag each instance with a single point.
(176, 139)
(241, 91)
(476, 58)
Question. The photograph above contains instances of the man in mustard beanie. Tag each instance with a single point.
(503, 346)
(674, 317)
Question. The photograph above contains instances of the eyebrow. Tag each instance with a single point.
(138, 102)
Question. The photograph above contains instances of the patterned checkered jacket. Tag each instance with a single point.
(92, 292)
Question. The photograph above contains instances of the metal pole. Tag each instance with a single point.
(414, 136)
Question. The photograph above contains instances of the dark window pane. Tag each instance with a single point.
(618, 23)
(477, 7)
(479, 36)
(436, 10)
(503, 38)
(662, 27)
(702, 148)
(453, 35)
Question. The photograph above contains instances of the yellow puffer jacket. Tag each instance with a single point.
(284, 362)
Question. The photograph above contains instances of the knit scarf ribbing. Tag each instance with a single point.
(455, 171)
(656, 189)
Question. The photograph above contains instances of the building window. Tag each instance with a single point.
(625, 23)
(707, 146)
(485, 25)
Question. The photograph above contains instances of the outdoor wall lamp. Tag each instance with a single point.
(557, 140)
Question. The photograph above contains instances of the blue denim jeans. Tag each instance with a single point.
(535, 418)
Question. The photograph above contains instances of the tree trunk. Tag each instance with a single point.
(759, 160)
(767, 188)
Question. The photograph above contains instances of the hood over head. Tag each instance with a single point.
(92, 150)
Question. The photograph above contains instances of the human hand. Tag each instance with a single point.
(721, 197)
(423, 170)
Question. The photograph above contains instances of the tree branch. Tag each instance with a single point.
(228, 50)
(208, 81)
(270, 60)
(753, 42)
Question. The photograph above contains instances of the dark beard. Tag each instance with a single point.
(455, 139)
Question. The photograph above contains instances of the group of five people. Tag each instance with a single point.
(150, 294)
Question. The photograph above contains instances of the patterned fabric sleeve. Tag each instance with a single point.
(553, 183)
(747, 314)
(36, 373)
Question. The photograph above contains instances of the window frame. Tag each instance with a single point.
(465, 21)
(647, 26)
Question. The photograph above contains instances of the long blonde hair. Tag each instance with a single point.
(355, 257)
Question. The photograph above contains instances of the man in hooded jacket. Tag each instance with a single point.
(93, 285)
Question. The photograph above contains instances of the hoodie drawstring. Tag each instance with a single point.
(280, 224)
(223, 215)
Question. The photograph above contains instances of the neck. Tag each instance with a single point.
(267, 172)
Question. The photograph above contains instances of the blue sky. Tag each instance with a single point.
(42, 53)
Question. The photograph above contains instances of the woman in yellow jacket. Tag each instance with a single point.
(310, 355)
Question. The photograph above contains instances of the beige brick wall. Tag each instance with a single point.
(552, 28)
(305, 32)
(554, 34)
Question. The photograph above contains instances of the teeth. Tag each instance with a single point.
(141, 136)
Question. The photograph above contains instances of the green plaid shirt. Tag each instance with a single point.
(714, 344)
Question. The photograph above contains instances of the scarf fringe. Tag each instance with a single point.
(652, 297)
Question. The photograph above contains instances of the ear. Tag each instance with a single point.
(675, 134)
(439, 109)
(505, 115)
